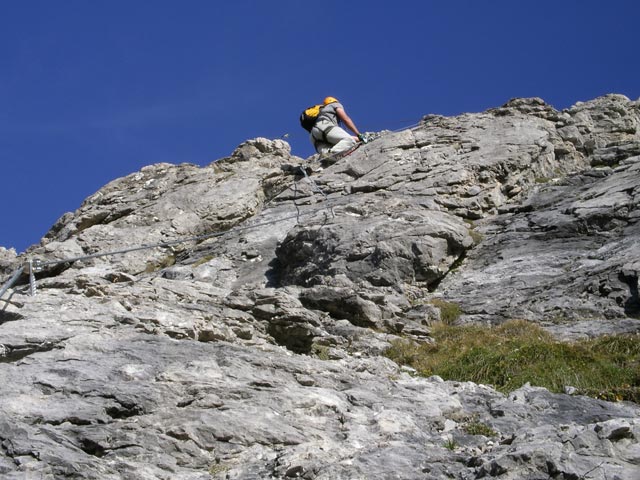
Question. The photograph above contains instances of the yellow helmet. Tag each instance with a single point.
(329, 100)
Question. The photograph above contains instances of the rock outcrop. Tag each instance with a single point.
(229, 321)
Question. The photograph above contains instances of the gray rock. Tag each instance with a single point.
(247, 340)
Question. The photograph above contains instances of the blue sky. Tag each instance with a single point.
(91, 91)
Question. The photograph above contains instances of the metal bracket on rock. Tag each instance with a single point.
(32, 266)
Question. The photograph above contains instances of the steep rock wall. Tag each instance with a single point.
(251, 349)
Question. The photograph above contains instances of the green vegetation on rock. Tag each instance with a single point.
(449, 312)
(517, 352)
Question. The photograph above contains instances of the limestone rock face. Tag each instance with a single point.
(163, 202)
(229, 321)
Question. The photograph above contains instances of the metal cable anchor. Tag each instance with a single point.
(32, 266)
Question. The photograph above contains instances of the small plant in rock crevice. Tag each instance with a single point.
(540, 180)
(203, 260)
(477, 237)
(165, 262)
(321, 352)
(478, 428)
(218, 469)
(450, 444)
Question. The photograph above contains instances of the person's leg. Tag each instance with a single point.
(340, 139)
(323, 148)
(320, 146)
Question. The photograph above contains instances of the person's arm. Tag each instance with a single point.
(347, 121)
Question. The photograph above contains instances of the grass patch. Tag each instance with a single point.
(542, 180)
(477, 428)
(165, 262)
(477, 237)
(450, 444)
(320, 351)
(203, 260)
(517, 352)
(218, 469)
(449, 312)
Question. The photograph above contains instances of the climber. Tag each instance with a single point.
(327, 136)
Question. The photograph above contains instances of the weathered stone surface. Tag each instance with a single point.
(570, 254)
(247, 343)
(375, 252)
(163, 202)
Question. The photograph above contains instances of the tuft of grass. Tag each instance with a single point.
(517, 352)
(218, 469)
(404, 352)
(477, 237)
(203, 260)
(542, 180)
(449, 312)
(478, 428)
(166, 262)
(320, 351)
(450, 444)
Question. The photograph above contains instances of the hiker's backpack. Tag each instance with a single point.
(309, 116)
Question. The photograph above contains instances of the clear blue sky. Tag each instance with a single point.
(94, 90)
